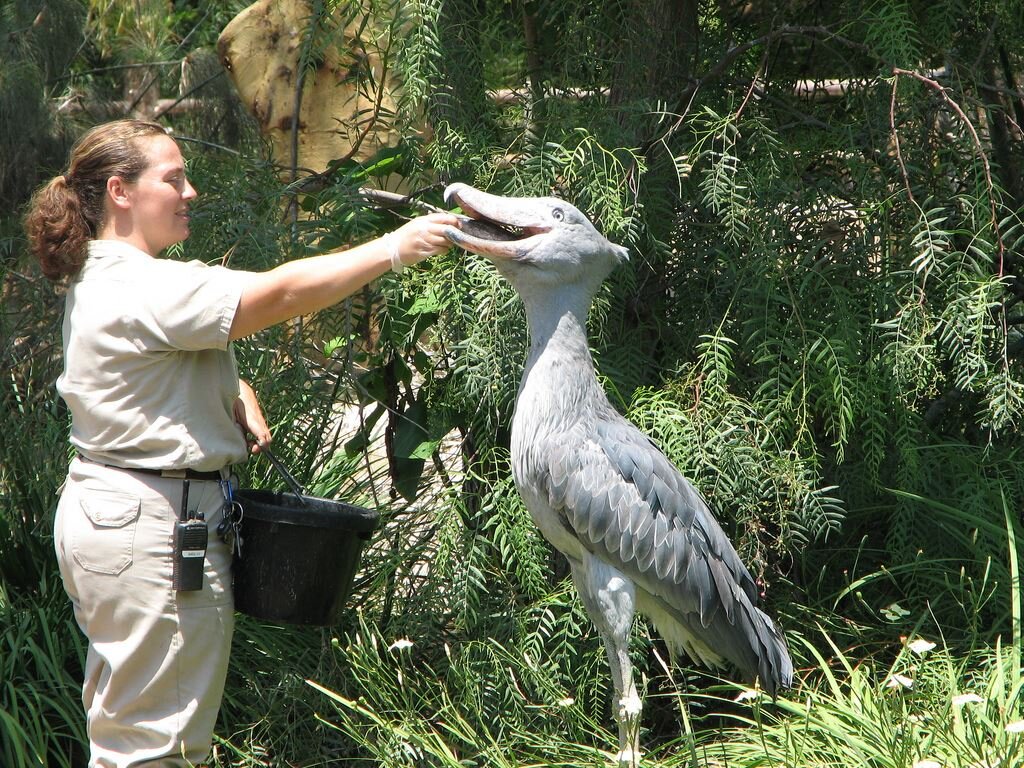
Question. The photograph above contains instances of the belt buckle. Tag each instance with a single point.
(174, 474)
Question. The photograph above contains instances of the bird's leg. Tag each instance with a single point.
(629, 705)
(610, 600)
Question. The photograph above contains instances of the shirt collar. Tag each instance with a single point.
(114, 248)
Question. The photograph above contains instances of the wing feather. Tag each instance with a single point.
(664, 560)
(628, 504)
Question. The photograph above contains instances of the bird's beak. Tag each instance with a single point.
(496, 227)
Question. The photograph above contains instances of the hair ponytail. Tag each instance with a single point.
(57, 229)
(68, 211)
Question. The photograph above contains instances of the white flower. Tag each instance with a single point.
(967, 698)
(568, 701)
(400, 645)
(921, 646)
(895, 612)
(899, 681)
(1017, 726)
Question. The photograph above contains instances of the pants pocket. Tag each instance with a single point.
(104, 540)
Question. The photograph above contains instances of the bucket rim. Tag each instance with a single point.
(285, 508)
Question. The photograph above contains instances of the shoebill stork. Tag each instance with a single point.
(637, 534)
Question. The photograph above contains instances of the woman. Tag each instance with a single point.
(158, 414)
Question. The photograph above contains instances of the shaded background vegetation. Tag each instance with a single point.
(820, 324)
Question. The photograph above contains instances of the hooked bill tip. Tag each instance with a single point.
(450, 190)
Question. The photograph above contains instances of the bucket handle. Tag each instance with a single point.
(292, 482)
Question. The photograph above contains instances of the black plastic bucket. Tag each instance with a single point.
(299, 556)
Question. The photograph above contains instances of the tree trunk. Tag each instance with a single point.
(658, 42)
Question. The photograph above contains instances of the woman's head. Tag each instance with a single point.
(110, 189)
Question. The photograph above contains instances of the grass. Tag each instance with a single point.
(928, 708)
(915, 702)
(41, 657)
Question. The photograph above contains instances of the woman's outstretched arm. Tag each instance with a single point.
(307, 285)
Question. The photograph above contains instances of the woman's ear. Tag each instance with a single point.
(117, 192)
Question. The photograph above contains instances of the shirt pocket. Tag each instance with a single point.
(104, 542)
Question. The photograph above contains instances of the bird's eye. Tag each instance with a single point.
(557, 214)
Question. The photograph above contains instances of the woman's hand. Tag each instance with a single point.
(249, 416)
(423, 236)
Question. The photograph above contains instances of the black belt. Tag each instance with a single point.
(174, 474)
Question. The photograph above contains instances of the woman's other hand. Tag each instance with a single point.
(249, 416)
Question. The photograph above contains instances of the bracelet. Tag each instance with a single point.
(392, 247)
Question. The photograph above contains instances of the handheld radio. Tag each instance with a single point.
(190, 539)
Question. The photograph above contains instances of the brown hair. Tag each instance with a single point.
(67, 212)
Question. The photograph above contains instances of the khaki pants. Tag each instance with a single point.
(157, 658)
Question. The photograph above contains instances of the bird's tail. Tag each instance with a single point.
(774, 665)
(747, 639)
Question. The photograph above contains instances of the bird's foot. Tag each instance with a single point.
(628, 758)
(630, 706)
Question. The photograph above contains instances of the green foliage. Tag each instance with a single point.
(33, 433)
(37, 43)
(487, 701)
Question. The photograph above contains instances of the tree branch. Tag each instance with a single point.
(161, 111)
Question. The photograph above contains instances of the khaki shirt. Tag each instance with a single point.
(149, 375)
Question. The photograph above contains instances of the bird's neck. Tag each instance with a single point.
(559, 374)
(558, 330)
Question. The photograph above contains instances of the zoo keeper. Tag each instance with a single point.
(157, 408)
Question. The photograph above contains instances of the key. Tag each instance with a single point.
(236, 526)
(225, 521)
(229, 527)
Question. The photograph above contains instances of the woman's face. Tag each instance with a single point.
(160, 196)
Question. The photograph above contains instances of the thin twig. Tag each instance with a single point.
(753, 84)
(896, 139)
(394, 200)
(1016, 93)
(113, 68)
(938, 88)
(210, 144)
(292, 210)
(310, 183)
(690, 92)
(152, 81)
(371, 121)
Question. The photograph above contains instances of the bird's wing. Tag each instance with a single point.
(630, 505)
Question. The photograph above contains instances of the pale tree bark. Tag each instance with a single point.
(312, 118)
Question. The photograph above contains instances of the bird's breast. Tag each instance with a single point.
(558, 398)
(538, 423)
(533, 434)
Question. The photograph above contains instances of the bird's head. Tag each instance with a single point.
(533, 241)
